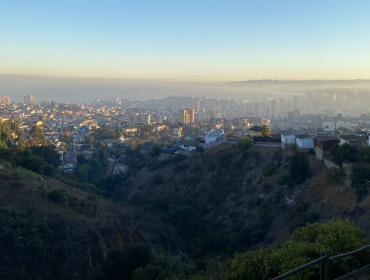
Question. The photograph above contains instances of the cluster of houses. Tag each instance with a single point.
(321, 144)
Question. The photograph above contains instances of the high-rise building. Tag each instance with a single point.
(186, 115)
(274, 108)
(4, 99)
(207, 115)
(296, 114)
(29, 99)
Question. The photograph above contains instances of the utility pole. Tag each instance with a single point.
(245, 128)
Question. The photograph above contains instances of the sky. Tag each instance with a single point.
(186, 40)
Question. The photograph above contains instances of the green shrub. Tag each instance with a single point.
(243, 144)
(269, 169)
(283, 179)
(334, 174)
(157, 179)
(306, 244)
(298, 167)
(56, 196)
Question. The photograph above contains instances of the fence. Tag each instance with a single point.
(324, 261)
(24, 170)
(4, 162)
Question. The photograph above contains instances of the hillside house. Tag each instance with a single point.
(167, 153)
(255, 131)
(324, 144)
(287, 138)
(305, 142)
(189, 145)
(214, 135)
(353, 140)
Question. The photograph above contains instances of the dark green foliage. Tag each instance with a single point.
(36, 137)
(200, 149)
(305, 245)
(334, 174)
(360, 172)
(178, 158)
(311, 152)
(65, 139)
(56, 196)
(283, 179)
(81, 159)
(104, 133)
(180, 167)
(224, 160)
(21, 229)
(156, 150)
(269, 169)
(148, 272)
(243, 144)
(212, 167)
(245, 155)
(132, 257)
(157, 179)
(48, 153)
(298, 167)
(49, 170)
(343, 152)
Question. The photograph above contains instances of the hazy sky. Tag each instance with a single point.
(186, 40)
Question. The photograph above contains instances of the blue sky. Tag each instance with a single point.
(186, 40)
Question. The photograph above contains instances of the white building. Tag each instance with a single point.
(213, 135)
(305, 142)
(287, 138)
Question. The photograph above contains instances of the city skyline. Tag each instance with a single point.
(192, 41)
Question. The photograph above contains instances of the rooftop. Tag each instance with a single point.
(255, 128)
(302, 136)
(286, 133)
(326, 138)
(352, 137)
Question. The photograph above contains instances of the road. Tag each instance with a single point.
(70, 157)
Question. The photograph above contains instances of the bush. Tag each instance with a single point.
(298, 167)
(157, 179)
(56, 196)
(306, 244)
(283, 179)
(334, 174)
(243, 144)
(269, 169)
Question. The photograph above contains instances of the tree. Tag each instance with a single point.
(135, 144)
(36, 138)
(243, 144)
(65, 139)
(265, 130)
(89, 140)
(298, 167)
(56, 196)
(306, 244)
(81, 159)
(83, 173)
(343, 152)
(156, 150)
(49, 170)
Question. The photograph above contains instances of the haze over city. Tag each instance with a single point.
(184, 140)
